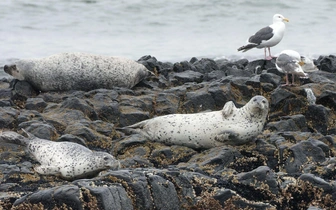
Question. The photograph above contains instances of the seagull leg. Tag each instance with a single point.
(293, 80)
(269, 53)
(265, 53)
(287, 82)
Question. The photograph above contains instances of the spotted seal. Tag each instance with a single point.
(65, 159)
(78, 71)
(230, 125)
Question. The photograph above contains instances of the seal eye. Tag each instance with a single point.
(106, 158)
(264, 102)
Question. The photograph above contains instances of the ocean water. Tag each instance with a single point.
(172, 30)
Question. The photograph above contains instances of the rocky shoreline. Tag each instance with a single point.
(291, 165)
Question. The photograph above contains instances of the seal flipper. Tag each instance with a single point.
(47, 170)
(137, 128)
(226, 136)
(228, 109)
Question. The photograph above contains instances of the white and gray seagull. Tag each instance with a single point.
(268, 36)
(290, 62)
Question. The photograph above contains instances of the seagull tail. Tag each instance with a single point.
(246, 47)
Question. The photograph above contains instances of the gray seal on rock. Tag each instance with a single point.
(231, 125)
(78, 71)
(65, 159)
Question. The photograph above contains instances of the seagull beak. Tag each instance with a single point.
(285, 19)
(301, 63)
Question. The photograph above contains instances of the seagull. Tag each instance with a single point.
(290, 62)
(268, 36)
(309, 65)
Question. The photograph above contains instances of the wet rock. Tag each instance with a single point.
(72, 138)
(255, 66)
(37, 104)
(187, 76)
(183, 66)
(290, 123)
(318, 182)
(228, 197)
(108, 197)
(66, 195)
(81, 105)
(327, 63)
(8, 116)
(22, 89)
(318, 116)
(301, 153)
(164, 193)
(259, 177)
(197, 101)
(205, 65)
(40, 130)
(270, 78)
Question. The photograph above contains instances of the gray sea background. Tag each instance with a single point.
(172, 30)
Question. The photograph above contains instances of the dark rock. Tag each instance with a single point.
(327, 99)
(108, 197)
(66, 195)
(327, 63)
(259, 177)
(302, 152)
(81, 105)
(270, 78)
(166, 103)
(150, 63)
(318, 182)
(214, 75)
(205, 65)
(318, 117)
(290, 123)
(237, 72)
(37, 104)
(39, 129)
(215, 159)
(221, 93)
(197, 101)
(322, 77)
(72, 138)
(228, 197)
(278, 97)
(164, 193)
(255, 66)
(183, 66)
(22, 89)
(8, 117)
(270, 63)
(187, 76)
(29, 115)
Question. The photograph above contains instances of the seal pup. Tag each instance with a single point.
(65, 159)
(78, 71)
(231, 125)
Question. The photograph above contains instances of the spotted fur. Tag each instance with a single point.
(78, 71)
(230, 125)
(65, 159)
